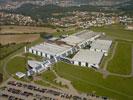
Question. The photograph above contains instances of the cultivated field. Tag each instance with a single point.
(5, 39)
(25, 29)
(116, 32)
(6, 50)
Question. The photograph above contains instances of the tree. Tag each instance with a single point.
(58, 30)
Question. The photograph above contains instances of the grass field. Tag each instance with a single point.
(19, 63)
(8, 49)
(109, 55)
(87, 80)
(6, 39)
(11, 29)
(66, 32)
(48, 76)
(16, 64)
(40, 82)
(121, 62)
(3, 62)
(115, 31)
(33, 57)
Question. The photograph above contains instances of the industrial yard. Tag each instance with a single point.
(90, 52)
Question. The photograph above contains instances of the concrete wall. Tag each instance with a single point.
(34, 52)
(39, 53)
(48, 56)
(84, 64)
(43, 54)
(76, 63)
(30, 50)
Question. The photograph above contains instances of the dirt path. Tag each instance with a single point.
(7, 74)
(100, 86)
(66, 82)
(105, 72)
(109, 59)
(56, 86)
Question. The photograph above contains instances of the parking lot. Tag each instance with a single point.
(17, 90)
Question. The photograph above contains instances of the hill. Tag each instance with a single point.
(69, 2)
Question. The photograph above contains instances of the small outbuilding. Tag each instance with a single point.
(37, 66)
(20, 74)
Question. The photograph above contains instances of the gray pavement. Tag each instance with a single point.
(61, 95)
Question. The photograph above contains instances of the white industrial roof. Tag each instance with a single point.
(33, 63)
(79, 37)
(101, 44)
(20, 74)
(91, 57)
(86, 34)
(38, 66)
(51, 48)
(54, 38)
(72, 40)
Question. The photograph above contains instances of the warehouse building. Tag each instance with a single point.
(60, 49)
(87, 58)
(51, 50)
(65, 46)
(101, 46)
(81, 39)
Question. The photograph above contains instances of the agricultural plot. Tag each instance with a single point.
(7, 39)
(8, 49)
(25, 29)
(115, 31)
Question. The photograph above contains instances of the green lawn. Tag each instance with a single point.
(17, 64)
(40, 82)
(109, 55)
(66, 32)
(117, 31)
(33, 56)
(121, 62)
(90, 81)
(4, 60)
(48, 76)
(8, 49)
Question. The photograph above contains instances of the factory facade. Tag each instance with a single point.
(74, 44)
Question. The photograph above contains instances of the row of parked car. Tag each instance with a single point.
(44, 91)
(9, 97)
